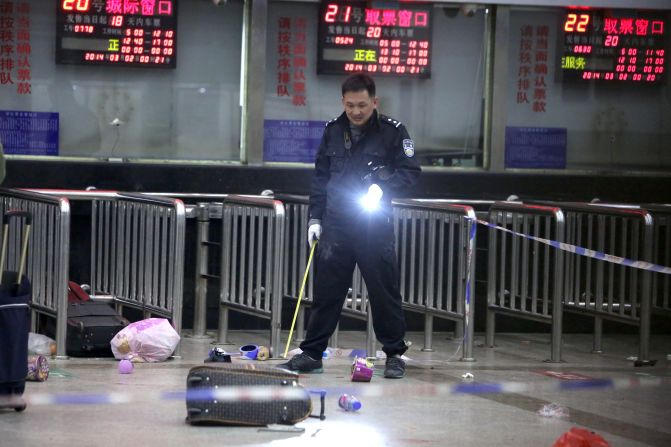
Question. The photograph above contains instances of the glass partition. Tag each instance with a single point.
(620, 121)
(443, 114)
(191, 112)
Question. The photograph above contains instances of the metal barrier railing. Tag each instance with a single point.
(436, 251)
(661, 254)
(661, 251)
(137, 254)
(605, 290)
(251, 263)
(432, 240)
(525, 278)
(47, 264)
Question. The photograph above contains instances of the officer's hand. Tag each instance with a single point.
(314, 233)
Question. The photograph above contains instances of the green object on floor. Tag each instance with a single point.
(57, 372)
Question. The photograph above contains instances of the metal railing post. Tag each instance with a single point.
(202, 255)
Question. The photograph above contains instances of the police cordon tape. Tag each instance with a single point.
(582, 251)
(270, 393)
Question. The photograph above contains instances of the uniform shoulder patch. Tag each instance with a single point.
(390, 121)
(408, 147)
(328, 123)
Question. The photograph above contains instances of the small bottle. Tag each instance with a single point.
(349, 403)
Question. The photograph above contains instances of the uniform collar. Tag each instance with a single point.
(373, 122)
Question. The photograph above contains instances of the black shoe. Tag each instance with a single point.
(394, 368)
(218, 355)
(303, 363)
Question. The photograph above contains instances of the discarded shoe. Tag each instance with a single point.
(394, 368)
(218, 355)
(303, 363)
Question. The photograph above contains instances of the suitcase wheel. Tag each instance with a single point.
(15, 402)
(194, 412)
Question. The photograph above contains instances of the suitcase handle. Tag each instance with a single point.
(24, 248)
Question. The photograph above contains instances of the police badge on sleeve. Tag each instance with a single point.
(408, 147)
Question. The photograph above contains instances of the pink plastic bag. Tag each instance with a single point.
(150, 340)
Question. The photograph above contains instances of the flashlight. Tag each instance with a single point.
(371, 201)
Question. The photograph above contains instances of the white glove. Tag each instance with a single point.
(314, 232)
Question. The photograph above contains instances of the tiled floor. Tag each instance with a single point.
(409, 412)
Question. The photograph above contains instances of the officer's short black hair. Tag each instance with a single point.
(358, 82)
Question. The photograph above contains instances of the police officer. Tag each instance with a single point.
(367, 155)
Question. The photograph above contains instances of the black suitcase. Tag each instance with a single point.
(91, 327)
(217, 395)
(15, 297)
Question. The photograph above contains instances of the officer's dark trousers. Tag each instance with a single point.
(368, 242)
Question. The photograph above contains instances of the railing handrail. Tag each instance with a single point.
(31, 195)
(542, 210)
(457, 201)
(262, 201)
(74, 194)
(598, 208)
(186, 195)
(663, 208)
(304, 199)
(293, 198)
(465, 210)
(144, 198)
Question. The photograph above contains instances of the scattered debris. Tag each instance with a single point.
(362, 370)
(282, 428)
(554, 410)
(125, 367)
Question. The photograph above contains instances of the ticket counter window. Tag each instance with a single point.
(79, 74)
(443, 110)
(590, 87)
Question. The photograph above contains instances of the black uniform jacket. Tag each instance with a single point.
(343, 166)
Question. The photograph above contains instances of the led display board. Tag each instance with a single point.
(614, 46)
(356, 37)
(139, 33)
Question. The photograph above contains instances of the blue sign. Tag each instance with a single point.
(288, 140)
(29, 133)
(536, 147)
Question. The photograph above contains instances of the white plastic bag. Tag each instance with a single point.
(150, 340)
(41, 344)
